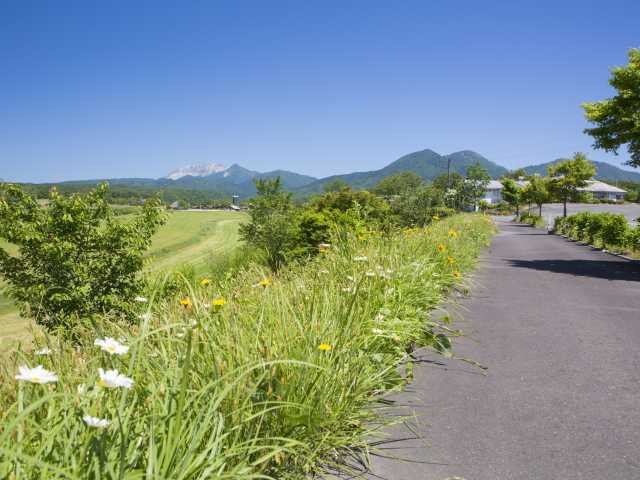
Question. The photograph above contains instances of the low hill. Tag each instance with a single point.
(604, 171)
(426, 163)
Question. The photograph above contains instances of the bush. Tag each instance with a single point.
(74, 260)
(604, 229)
(531, 219)
(272, 224)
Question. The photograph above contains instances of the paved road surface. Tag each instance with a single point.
(558, 326)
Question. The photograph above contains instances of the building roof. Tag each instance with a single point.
(598, 186)
(494, 185)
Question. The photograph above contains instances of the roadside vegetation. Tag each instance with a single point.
(603, 230)
(274, 367)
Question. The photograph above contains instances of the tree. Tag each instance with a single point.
(568, 176)
(475, 183)
(272, 225)
(452, 188)
(336, 185)
(516, 174)
(74, 259)
(537, 192)
(397, 184)
(512, 193)
(617, 119)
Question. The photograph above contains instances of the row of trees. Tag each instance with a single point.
(563, 184)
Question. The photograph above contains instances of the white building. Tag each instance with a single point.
(599, 190)
(604, 191)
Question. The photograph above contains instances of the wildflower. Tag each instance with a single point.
(456, 274)
(218, 302)
(323, 247)
(95, 422)
(451, 260)
(436, 217)
(441, 248)
(360, 259)
(379, 318)
(453, 233)
(145, 316)
(370, 274)
(205, 282)
(36, 375)
(111, 346)
(325, 347)
(113, 379)
(347, 290)
(44, 351)
(377, 331)
(186, 302)
(264, 283)
(141, 299)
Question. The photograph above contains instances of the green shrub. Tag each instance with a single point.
(74, 260)
(615, 230)
(272, 224)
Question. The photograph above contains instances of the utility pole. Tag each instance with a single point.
(448, 173)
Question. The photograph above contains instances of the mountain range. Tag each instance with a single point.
(237, 180)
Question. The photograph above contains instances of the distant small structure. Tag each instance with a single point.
(175, 205)
(604, 191)
(599, 190)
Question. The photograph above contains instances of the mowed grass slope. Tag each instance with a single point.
(188, 238)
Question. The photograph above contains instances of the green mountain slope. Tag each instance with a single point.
(426, 163)
(604, 171)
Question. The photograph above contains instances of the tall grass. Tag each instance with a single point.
(280, 381)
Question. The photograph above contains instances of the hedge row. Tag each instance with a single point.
(600, 229)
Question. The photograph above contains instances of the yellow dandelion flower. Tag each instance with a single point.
(205, 282)
(441, 248)
(456, 274)
(451, 260)
(265, 282)
(186, 302)
(218, 302)
(325, 347)
(453, 233)
(436, 217)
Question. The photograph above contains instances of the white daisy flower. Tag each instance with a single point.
(141, 299)
(360, 259)
(377, 331)
(113, 379)
(44, 351)
(36, 375)
(111, 345)
(370, 274)
(95, 422)
(379, 318)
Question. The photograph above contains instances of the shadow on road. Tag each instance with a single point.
(607, 269)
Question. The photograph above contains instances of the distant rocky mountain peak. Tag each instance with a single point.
(196, 171)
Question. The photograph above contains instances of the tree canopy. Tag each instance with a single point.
(617, 119)
(570, 175)
(398, 184)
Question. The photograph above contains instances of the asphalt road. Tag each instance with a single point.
(558, 326)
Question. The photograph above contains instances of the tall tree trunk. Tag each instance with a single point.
(565, 207)
(540, 210)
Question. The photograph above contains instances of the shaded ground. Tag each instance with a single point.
(558, 326)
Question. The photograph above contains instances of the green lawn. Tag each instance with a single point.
(188, 238)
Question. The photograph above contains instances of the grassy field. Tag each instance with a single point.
(188, 238)
(256, 376)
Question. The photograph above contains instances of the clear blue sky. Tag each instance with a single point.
(94, 89)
